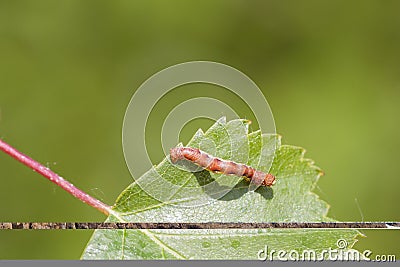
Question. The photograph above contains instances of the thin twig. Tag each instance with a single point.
(55, 178)
(208, 225)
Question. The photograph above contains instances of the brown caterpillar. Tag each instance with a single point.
(218, 165)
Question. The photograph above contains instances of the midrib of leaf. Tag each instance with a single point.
(163, 245)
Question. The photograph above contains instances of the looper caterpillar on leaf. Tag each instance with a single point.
(218, 165)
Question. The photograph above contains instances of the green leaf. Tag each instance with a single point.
(209, 197)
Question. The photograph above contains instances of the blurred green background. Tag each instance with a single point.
(329, 69)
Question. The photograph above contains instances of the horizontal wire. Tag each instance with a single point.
(208, 225)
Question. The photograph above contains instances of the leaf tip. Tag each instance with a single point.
(199, 133)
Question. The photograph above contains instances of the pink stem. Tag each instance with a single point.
(55, 178)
